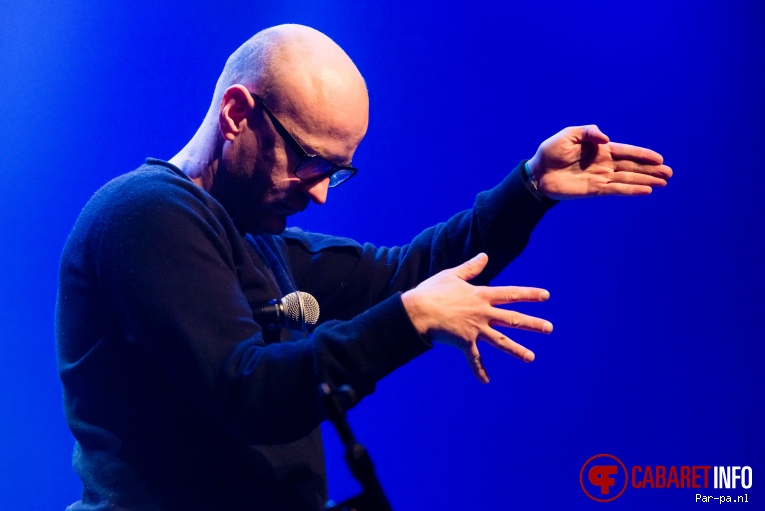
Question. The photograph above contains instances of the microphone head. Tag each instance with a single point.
(301, 311)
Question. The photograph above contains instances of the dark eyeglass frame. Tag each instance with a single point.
(338, 174)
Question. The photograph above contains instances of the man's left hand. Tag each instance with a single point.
(581, 162)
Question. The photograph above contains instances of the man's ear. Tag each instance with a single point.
(235, 106)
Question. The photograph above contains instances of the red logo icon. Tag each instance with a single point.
(605, 474)
(600, 475)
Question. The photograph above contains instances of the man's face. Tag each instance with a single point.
(255, 186)
(279, 193)
(256, 181)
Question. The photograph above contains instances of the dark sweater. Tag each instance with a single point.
(176, 396)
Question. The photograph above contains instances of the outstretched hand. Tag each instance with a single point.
(581, 162)
(449, 310)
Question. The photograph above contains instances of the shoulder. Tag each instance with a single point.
(150, 206)
(152, 194)
(150, 186)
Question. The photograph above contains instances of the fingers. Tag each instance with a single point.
(506, 318)
(635, 153)
(472, 268)
(511, 294)
(512, 319)
(625, 189)
(474, 361)
(502, 343)
(632, 178)
(661, 171)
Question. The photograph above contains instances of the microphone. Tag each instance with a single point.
(295, 311)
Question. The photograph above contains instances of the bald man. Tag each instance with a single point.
(177, 397)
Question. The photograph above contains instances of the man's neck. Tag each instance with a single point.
(199, 158)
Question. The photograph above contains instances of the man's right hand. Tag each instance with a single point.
(447, 309)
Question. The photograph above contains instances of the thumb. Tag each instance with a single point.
(592, 134)
(472, 268)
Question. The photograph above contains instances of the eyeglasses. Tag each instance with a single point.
(311, 166)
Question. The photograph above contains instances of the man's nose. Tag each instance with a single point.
(317, 191)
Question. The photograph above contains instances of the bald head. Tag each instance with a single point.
(305, 83)
(303, 76)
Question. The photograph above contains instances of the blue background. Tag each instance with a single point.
(657, 301)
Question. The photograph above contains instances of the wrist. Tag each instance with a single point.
(531, 179)
(414, 310)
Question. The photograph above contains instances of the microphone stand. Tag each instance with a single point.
(372, 497)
